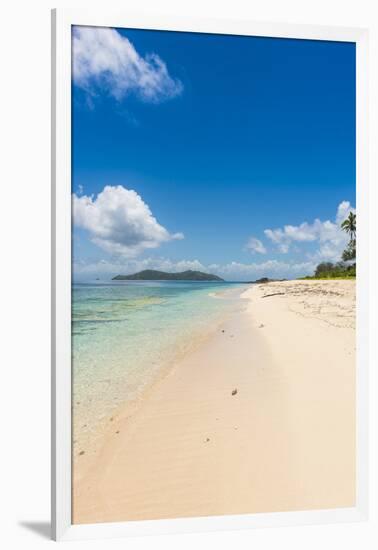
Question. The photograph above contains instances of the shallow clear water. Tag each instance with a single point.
(125, 333)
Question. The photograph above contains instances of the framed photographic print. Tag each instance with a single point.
(210, 287)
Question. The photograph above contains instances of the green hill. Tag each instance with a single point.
(153, 275)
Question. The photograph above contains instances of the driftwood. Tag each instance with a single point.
(275, 294)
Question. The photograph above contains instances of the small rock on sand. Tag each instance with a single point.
(234, 392)
(81, 453)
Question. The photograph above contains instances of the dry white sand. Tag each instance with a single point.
(284, 441)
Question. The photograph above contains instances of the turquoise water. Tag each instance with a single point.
(126, 333)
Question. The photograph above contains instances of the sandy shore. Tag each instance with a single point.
(285, 440)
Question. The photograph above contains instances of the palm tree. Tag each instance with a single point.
(349, 225)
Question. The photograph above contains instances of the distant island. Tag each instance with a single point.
(153, 275)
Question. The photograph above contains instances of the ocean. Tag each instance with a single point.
(125, 334)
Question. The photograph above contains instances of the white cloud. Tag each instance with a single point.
(103, 58)
(343, 211)
(331, 238)
(255, 246)
(119, 222)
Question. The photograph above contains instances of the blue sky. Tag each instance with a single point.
(234, 155)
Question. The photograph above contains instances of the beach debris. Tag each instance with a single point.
(223, 330)
(274, 294)
(117, 432)
(207, 440)
(81, 453)
(261, 326)
(234, 392)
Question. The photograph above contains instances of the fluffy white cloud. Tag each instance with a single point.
(119, 222)
(103, 58)
(343, 211)
(331, 238)
(255, 246)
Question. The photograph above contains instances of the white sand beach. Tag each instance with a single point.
(260, 417)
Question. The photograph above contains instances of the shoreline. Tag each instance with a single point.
(92, 443)
(284, 441)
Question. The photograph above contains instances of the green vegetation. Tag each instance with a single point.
(345, 269)
(349, 253)
(329, 270)
(153, 275)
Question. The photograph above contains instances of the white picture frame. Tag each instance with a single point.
(62, 21)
